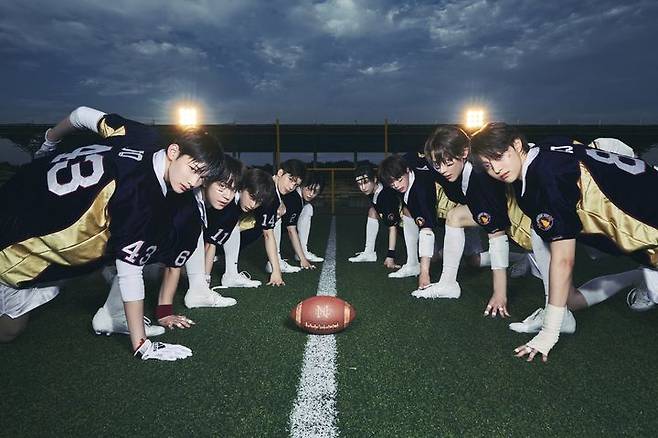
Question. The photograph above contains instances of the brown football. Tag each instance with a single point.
(323, 315)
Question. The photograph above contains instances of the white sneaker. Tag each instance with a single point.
(311, 257)
(638, 300)
(243, 279)
(104, 323)
(206, 298)
(285, 267)
(521, 268)
(361, 257)
(534, 322)
(439, 290)
(406, 271)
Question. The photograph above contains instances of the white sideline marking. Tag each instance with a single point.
(314, 412)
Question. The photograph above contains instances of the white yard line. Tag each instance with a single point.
(314, 412)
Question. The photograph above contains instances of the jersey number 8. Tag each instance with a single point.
(66, 169)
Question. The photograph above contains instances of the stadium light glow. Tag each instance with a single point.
(188, 116)
(474, 118)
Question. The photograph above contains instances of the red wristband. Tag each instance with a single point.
(164, 310)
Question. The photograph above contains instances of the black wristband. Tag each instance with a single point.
(390, 254)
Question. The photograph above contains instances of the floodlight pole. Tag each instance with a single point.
(277, 153)
(385, 137)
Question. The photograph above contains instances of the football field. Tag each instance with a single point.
(404, 368)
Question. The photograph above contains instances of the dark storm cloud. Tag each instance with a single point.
(338, 60)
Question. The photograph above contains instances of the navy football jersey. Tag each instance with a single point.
(486, 198)
(267, 215)
(126, 133)
(420, 199)
(63, 215)
(222, 222)
(386, 203)
(294, 204)
(603, 199)
(186, 229)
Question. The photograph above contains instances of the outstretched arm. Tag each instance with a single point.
(297, 246)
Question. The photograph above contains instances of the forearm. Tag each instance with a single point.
(135, 318)
(296, 243)
(499, 277)
(563, 253)
(270, 250)
(80, 118)
(170, 279)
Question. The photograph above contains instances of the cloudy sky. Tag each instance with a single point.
(332, 61)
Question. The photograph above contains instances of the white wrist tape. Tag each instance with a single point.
(426, 243)
(49, 143)
(84, 117)
(499, 252)
(550, 331)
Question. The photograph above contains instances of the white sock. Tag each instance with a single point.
(195, 267)
(411, 232)
(485, 259)
(601, 288)
(453, 248)
(114, 302)
(232, 251)
(304, 226)
(372, 228)
(651, 281)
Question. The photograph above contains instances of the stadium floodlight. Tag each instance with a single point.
(474, 118)
(188, 116)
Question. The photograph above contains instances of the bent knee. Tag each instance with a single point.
(11, 328)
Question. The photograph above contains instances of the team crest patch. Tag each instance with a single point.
(484, 218)
(420, 221)
(391, 217)
(544, 221)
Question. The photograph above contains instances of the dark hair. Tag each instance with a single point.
(231, 173)
(204, 149)
(446, 143)
(315, 181)
(259, 184)
(493, 139)
(366, 169)
(294, 167)
(392, 168)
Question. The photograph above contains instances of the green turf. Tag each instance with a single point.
(406, 367)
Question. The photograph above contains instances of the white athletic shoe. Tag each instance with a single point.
(439, 290)
(534, 322)
(104, 323)
(206, 298)
(406, 271)
(243, 279)
(521, 268)
(638, 300)
(361, 257)
(311, 257)
(285, 267)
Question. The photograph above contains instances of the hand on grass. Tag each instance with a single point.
(276, 280)
(524, 349)
(389, 263)
(173, 321)
(497, 306)
(305, 264)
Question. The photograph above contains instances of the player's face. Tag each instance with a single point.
(183, 173)
(287, 183)
(247, 202)
(507, 167)
(401, 184)
(219, 194)
(309, 193)
(450, 169)
(366, 185)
